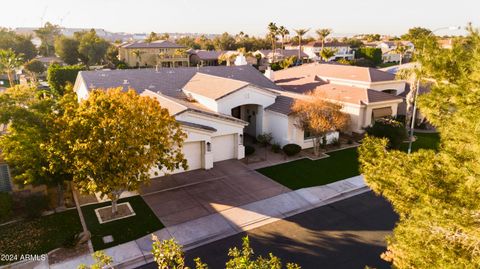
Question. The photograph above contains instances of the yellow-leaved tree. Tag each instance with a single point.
(319, 116)
(116, 138)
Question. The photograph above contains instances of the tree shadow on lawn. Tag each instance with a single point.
(123, 230)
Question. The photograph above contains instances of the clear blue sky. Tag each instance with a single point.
(251, 16)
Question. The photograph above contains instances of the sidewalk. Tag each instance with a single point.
(210, 228)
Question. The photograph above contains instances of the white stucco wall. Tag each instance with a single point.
(277, 125)
(398, 85)
(245, 96)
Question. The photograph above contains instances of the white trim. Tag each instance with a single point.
(102, 221)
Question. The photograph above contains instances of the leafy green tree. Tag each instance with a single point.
(188, 42)
(47, 35)
(9, 62)
(372, 37)
(92, 48)
(32, 147)
(67, 49)
(372, 54)
(435, 193)
(416, 35)
(205, 43)
(401, 50)
(300, 33)
(59, 77)
(34, 68)
(20, 44)
(224, 42)
(116, 138)
(389, 128)
(152, 37)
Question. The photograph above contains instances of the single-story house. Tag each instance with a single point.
(365, 93)
(266, 56)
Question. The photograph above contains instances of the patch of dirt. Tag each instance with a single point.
(123, 210)
(63, 254)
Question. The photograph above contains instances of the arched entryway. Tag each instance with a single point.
(251, 113)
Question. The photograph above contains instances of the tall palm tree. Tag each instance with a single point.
(300, 34)
(401, 49)
(272, 33)
(9, 61)
(322, 35)
(138, 54)
(283, 32)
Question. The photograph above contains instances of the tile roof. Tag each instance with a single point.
(155, 44)
(283, 105)
(335, 71)
(284, 53)
(213, 87)
(331, 44)
(208, 54)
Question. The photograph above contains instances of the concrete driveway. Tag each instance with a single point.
(190, 195)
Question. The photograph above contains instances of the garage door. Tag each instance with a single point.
(193, 154)
(223, 147)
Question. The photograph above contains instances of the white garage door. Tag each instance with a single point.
(193, 154)
(223, 147)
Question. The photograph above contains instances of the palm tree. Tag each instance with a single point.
(283, 32)
(327, 53)
(300, 34)
(272, 33)
(322, 35)
(9, 61)
(138, 54)
(401, 49)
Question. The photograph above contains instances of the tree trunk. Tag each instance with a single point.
(60, 193)
(114, 206)
(299, 47)
(316, 145)
(10, 78)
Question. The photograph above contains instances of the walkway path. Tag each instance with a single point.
(213, 227)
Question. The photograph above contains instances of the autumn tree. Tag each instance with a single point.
(436, 193)
(318, 117)
(32, 146)
(117, 137)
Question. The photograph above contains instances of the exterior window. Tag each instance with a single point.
(209, 147)
(240, 139)
(307, 135)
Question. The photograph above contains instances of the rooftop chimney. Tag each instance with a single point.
(269, 73)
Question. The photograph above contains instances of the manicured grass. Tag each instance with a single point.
(424, 141)
(39, 236)
(307, 173)
(122, 230)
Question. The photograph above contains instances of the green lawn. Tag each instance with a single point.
(424, 141)
(122, 230)
(39, 236)
(307, 173)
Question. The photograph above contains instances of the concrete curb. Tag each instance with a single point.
(229, 222)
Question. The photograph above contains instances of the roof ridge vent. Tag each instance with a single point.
(125, 82)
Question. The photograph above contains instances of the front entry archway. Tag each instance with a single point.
(251, 113)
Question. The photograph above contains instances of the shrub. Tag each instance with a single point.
(264, 139)
(35, 204)
(6, 204)
(60, 76)
(276, 148)
(391, 129)
(372, 54)
(249, 150)
(71, 241)
(291, 149)
(349, 141)
(324, 142)
(336, 142)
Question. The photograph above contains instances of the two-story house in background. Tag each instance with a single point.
(313, 49)
(161, 53)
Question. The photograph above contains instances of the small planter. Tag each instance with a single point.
(104, 214)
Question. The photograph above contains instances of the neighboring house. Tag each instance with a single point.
(389, 53)
(312, 49)
(213, 58)
(365, 93)
(446, 43)
(161, 53)
(267, 56)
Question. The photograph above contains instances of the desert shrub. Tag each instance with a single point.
(6, 204)
(264, 139)
(391, 129)
(35, 204)
(291, 149)
(249, 150)
(276, 148)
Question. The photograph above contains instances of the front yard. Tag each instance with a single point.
(123, 230)
(305, 173)
(340, 165)
(40, 235)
